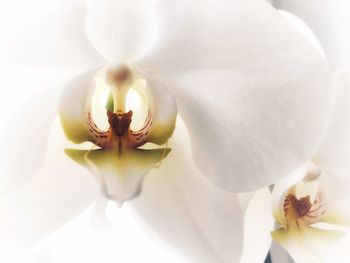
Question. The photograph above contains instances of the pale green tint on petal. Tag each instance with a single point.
(334, 154)
(29, 98)
(309, 245)
(55, 196)
(47, 34)
(254, 93)
(199, 220)
(329, 20)
(164, 111)
(120, 30)
(121, 175)
(75, 106)
(258, 224)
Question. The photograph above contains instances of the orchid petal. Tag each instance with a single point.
(120, 30)
(309, 245)
(340, 252)
(329, 20)
(74, 108)
(164, 112)
(49, 36)
(258, 224)
(28, 107)
(201, 221)
(56, 195)
(334, 153)
(336, 191)
(252, 91)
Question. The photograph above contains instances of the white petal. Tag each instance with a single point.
(309, 246)
(337, 196)
(120, 30)
(59, 193)
(329, 20)
(258, 110)
(258, 224)
(334, 153)
(340, 252)
(28, 107)
(199, 220)
(45, 34)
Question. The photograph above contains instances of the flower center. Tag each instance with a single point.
(300, 207)
(119, 122)
(119, 133)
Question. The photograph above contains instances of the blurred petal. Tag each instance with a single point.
(329, 20)
(45, 33)
(28, 107)
(258, 224)
(120, 30)
(304, 29)
(340, 252)
(252, 91)
(310, 245)
(201, 221)
(334, 153)
(59, 193)
(337, 195)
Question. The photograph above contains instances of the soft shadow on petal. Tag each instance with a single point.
(329, 20)
(258, 224)
(28, 106)
(120, 30)
(310, 245)
(56, 195)
(193, 216)
(45, 33)
(249, 87)
(334, 153)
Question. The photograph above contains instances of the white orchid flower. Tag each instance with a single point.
(312, 205)
(253, 94)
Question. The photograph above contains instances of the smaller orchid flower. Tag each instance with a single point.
(312, 205)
